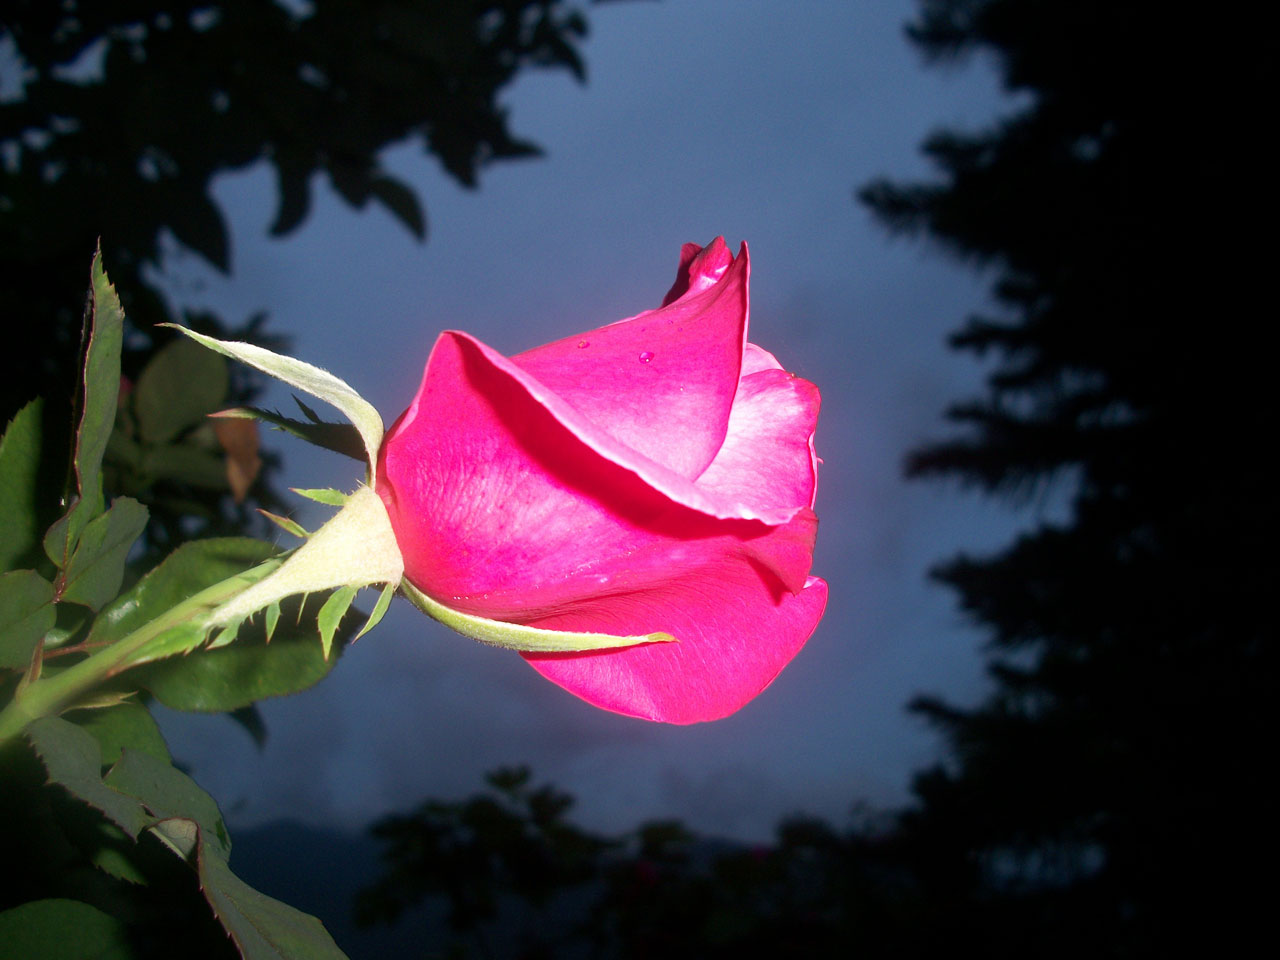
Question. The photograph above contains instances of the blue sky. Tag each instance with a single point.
(751, 119)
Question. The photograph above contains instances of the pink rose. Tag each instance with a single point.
(656, 474)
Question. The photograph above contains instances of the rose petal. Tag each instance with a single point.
(509, 513)
(734, 639)
(755, 359)
(700, 268)
(656, 474)
(661, 382)
(767, 458)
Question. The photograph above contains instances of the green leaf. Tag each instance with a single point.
(168, 793)
(516, 636)
(170, 605)
(176, 641)
(185, 463)
(307, 411)
(191, 824)
(19, 492)
(145, 791)
(181, 385)
(96, 569)
(248, 670)
(341, 438)
(116, 854)
(73, 759)
(331, 614)
(129, 725)
(101, 385)
(263, 928)
(313, 380)
(193, 567)
(180, 835)
(26, 614)
(62, 930)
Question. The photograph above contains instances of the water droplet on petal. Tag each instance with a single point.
(646, 356)
(583, 343)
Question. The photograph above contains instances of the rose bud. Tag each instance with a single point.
(656, 474)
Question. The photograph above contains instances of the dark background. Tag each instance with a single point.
(1099, 787)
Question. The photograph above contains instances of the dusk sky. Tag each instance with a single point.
(750, 119)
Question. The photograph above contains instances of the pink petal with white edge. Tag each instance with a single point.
(734, 639)
(661, 382)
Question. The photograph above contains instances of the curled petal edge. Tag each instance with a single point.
(666, 481)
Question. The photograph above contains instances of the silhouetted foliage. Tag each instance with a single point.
(120, 114)
(128, 110)
(1107, 797)
(518, 879)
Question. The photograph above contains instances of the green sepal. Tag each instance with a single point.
(331, 614)
(516, 636)
(341, 438)
(285, 524)
(226, 635)
(271, 618)
(307, 411)
(310, 379)
(379, 610)
(326, 495)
